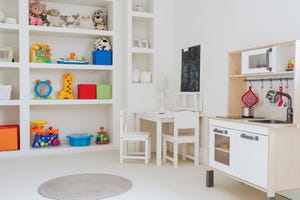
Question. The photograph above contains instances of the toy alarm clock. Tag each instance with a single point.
(43, 89)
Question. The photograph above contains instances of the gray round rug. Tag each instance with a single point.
(84, 187)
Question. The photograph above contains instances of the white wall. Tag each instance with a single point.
(223, 26)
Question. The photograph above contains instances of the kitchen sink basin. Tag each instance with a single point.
(269, 121)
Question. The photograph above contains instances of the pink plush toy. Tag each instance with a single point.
(36, 10)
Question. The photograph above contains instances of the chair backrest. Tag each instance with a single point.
(186, 120)
(123, 126)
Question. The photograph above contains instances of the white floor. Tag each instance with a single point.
(21, 176)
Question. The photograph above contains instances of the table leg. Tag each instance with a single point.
(158, 142)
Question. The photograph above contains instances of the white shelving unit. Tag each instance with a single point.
(69, 116)
(141, 42)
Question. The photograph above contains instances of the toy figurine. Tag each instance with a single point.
(67, 91)
(36, 11)
(102, 137)
(43, 137)
(73, 60)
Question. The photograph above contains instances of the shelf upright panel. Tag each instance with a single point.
(24, 76)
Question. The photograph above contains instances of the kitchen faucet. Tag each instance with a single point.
(289, 115)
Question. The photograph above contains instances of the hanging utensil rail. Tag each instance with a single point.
(268, 79)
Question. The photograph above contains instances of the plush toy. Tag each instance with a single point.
(53, 16)
(70, 20)
(102, 44)
(36, 10)
(45, 20)
(86, 22)
(100, 20)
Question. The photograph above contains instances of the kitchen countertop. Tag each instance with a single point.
(246, 121)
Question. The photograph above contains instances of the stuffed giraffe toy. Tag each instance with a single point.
(66, 92)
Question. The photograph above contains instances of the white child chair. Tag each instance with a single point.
(133, 136)
(186, 131)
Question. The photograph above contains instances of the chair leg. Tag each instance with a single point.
(175, 154)
(164, 149)
(184, 151)
(121, 151)
(146, 151)
(196, 153)
(149, 148)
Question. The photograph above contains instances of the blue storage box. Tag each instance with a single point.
(80, 139)
(102, 57)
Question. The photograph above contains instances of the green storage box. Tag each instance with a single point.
(103, 91)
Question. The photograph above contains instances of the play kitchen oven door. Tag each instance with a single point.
(220, 145)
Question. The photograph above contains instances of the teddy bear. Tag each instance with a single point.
(100, 20)
(53, 16)
(36, 10)
(70, 20)
(86, 22)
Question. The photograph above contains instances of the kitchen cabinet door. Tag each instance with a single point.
(250, 157)
(220, 148)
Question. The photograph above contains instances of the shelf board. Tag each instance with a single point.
(9, 64)
(9, 27)
(262, 74)
(65, 148)
(47, 102)
(143, 50)
(69, 66)
(222, 149)
(97, 3)
(142, 15)
(9, 102)
(65, 31)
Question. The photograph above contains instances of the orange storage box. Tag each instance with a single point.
(9, 137)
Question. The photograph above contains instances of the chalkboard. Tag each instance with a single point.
(190, 69)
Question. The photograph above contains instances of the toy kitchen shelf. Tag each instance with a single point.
(237, 84)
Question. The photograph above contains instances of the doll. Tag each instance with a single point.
(36, 10)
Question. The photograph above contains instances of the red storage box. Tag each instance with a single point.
(86, 91)
(9, 137)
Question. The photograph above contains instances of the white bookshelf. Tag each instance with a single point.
(69, 116)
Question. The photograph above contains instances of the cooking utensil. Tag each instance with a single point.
(247, 112)
(249, 98)
(270, 95)
(280, 102)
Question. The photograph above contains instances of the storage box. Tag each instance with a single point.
(9, 137)
(80, 139)
(102, 57)
(5, 92)
(103, 91)
(86, 91)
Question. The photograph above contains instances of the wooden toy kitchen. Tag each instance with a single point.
(260, 149)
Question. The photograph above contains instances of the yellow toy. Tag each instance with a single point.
(67, 91)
